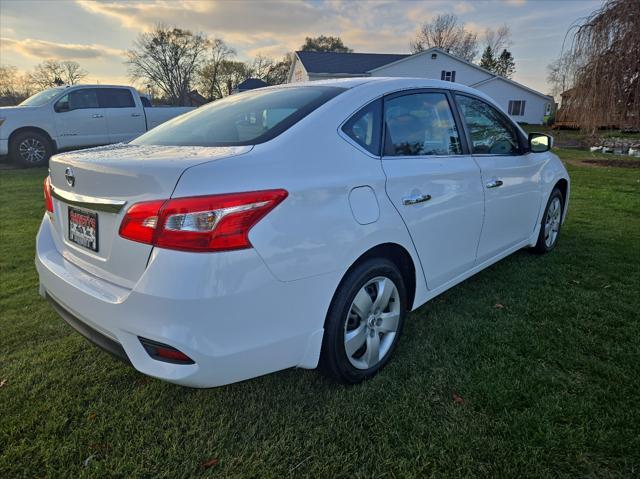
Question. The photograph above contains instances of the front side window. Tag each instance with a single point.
(364, 127)
(420, 124)
(115, 98)
(78, 100)
(516, 107)
(491, 133)
(246, 118)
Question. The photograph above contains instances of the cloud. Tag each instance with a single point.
(44, 49)
(240, 17)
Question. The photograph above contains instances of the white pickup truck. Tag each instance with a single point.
(77, 116)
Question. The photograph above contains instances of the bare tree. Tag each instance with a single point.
(279, 71)
(52, 73)
(261, 66)
(447, 33)
(499, 39)
(561, 73)
(232, 73)
(606, 50)
(14, 86)
(209, 74)
(169, 59)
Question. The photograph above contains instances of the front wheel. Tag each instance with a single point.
(551, 223)
(364, 322)
(30, 148)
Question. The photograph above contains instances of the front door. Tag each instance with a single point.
(79, 119)
(435, 187)
(510, 177)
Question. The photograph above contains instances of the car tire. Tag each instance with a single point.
(551, 223)
(364, 322)
(30, 149)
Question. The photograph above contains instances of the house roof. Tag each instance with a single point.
(250, 84)
(368, 63)
(347, 63)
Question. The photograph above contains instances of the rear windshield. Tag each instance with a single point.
(243, 119)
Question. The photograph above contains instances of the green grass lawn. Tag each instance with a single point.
(545, 385)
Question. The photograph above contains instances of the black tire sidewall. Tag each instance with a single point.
(541, 246)
(14, 154)
(334, 359)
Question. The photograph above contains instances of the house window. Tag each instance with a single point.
(516, 107)
(434, 56)
(448, 76)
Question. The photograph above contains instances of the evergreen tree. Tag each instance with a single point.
(505, 65)
(488, 61)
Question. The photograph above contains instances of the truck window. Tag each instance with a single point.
(115, 98)
(78, 100)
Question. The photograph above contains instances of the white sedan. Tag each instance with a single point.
(291, 226)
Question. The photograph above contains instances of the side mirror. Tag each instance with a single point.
(61, 106)
(539, 142)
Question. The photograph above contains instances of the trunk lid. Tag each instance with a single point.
(103, 183)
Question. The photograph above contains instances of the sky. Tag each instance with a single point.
(97, 34)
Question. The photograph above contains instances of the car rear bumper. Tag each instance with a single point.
(226, 311)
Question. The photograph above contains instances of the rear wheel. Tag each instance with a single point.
(364, 322)
(30, 148)
(551, 223)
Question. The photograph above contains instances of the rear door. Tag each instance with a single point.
(432, 182)
(79, 119)
(125, 117)
(510, 176)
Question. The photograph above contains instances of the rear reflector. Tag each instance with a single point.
(164, 352)
(200, 223)
(48, 200)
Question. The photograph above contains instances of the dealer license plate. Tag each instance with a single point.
(83, 228)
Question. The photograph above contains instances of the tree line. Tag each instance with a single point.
(172, 62)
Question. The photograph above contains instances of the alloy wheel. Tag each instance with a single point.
(372, 323)
(32, 150)
(552, 222)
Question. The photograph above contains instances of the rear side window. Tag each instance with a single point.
(243, 119)
(491, 133)
(365, 127)
(420, 124)
(115, 98)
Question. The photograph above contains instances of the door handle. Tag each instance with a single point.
(494, 183)
(135, 114)
(97, 116)
(415, 199)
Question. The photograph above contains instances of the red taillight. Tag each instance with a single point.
(48, 200)
(140, 222)
(200, 223)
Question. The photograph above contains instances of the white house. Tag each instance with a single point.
(522, 103)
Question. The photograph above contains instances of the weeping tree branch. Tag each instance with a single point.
(606, 58)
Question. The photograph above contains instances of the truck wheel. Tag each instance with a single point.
(30, 148)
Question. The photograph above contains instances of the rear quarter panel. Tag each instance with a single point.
(312, 232)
